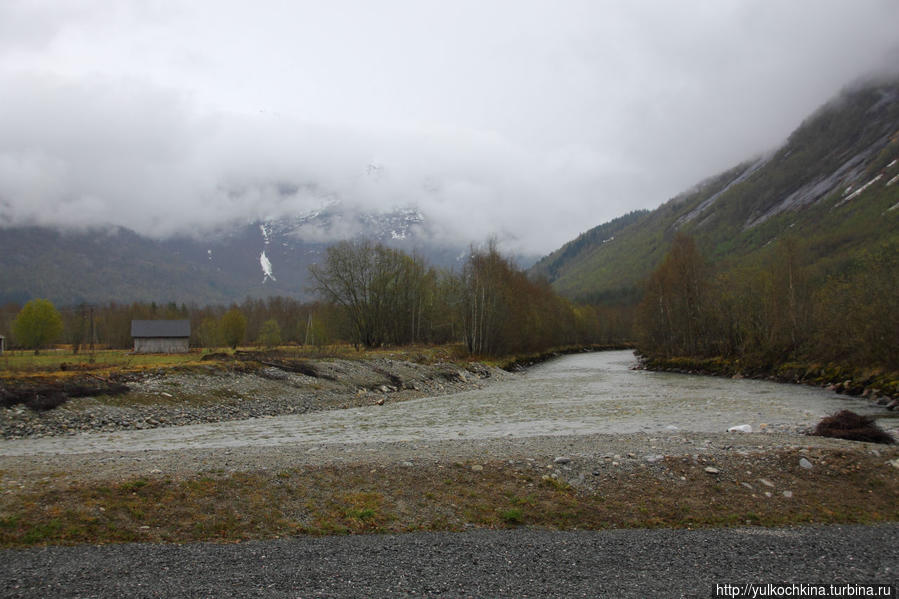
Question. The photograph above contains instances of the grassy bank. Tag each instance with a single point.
(852, 486)
(65, 362)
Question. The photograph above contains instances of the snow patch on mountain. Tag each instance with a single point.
(860, 190)
(267, 273)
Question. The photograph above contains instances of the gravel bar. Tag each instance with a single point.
(586, 453)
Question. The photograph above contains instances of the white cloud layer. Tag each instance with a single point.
(526, 119)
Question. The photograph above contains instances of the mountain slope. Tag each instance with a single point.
(259, 259)
(834, 185)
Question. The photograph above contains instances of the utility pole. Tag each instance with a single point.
(92, 335)
(309, 333)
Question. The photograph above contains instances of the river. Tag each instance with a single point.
(572, 395)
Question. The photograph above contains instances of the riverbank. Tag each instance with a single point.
(245, 385)
(518, 363)
(878, 387)
(684, 480)
(585, 443)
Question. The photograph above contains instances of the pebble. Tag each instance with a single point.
(711, 470)
(804, 463)
(240, 396)
(562, 460)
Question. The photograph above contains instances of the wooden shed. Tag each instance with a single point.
(161, 336)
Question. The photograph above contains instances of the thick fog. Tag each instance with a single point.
(529, 120)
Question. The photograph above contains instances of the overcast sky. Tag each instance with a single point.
(531, 120)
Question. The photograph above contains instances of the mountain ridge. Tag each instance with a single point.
(257, 259)
(833, 183)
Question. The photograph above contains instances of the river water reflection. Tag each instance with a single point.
(572, 395)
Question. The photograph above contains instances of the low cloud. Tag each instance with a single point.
(531, 123)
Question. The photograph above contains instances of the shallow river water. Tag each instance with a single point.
(571, 395)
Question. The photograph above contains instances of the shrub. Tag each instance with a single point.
(854, 427)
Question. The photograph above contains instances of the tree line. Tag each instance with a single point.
(778, 311)
(389, 297)
(370, 295)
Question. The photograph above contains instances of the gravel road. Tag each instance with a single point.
(518, 563)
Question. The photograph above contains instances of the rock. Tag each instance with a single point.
(654, 458)
(748, 486)
(893, 404)
(671, 427)
(894, 463)
(711, 470)
(788, 494)
(766, 482)
(562, 460)
(740, 428)
(804, 463)
(477, 468)
(380, 402)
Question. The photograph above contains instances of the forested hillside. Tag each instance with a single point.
(833, 187)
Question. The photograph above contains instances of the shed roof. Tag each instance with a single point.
(160, 328)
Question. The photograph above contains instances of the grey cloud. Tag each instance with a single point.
(524, 119)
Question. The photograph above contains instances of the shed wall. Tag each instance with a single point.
(161, 345)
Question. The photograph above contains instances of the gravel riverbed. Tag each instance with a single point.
(580, 460)
(173, 398)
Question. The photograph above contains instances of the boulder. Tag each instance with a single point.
(740, 428)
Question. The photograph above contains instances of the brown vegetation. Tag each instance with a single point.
(854, 427)
(845, 487)
(779, 312)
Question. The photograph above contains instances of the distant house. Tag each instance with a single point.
(161, 336)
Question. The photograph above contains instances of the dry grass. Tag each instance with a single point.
(848, 487)
(64, 363)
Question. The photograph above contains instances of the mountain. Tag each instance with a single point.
(834, 185)
(257, 259)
